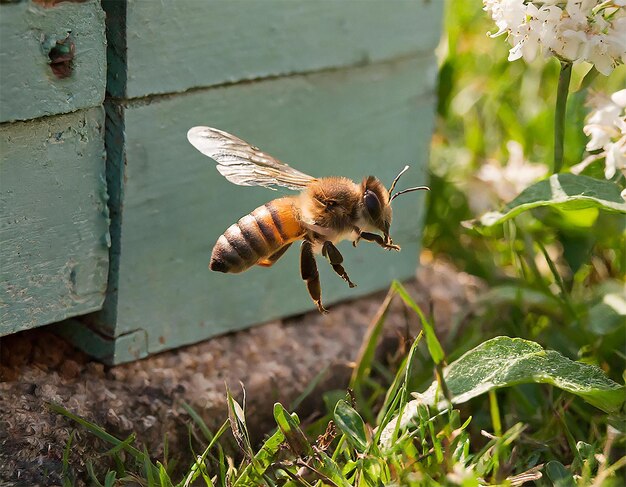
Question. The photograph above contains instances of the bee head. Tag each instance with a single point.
(376, 207)
(377, 202)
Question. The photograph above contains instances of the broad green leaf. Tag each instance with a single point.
(289, 426)
(609, 314)
(565, 192)
(504, 362)
(559, 475)
(351, 424)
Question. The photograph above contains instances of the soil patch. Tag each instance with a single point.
(275, 362)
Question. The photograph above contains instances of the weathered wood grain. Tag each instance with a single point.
(53, 219)
(28, 87)
(351, 122)
(171, 46)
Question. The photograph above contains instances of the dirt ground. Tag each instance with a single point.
(274, 361)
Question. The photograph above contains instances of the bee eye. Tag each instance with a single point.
(372, 203)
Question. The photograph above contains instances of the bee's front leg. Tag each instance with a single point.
(374, 237)
(335, 258)
(308, 271)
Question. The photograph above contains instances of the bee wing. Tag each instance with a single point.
(244, 164)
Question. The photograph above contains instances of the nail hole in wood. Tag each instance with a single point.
(62, 57)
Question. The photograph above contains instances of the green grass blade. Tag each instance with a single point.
(92, 475)
(164, 478)
(122, 445)
(367, 351)
(199, 421)
(196, 468)
(149, 469)
(103, 435)
(252, 474)
(110, 479)
(434, 347)
(65, 474)
(237, 419)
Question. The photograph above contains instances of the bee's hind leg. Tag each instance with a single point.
(308, 271)
(335, 258)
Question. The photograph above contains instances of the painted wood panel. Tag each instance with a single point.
(172, 46)
(351, 122)
(53, 219)
(29, 33)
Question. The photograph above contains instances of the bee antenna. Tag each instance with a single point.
(393, 185)
(416, 188)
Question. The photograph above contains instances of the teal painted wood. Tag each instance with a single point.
(351, 122)
(28, 87)
(171, 46)
(53, 219)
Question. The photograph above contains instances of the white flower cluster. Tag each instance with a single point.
(574, 30)
(606, 125)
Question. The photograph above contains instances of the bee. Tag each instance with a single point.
(326, 211)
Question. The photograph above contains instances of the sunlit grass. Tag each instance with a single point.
(434, 444)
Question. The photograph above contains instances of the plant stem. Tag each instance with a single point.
(559, 115)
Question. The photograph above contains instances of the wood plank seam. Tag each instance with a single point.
(426, 56)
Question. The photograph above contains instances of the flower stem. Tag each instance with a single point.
(559, 115)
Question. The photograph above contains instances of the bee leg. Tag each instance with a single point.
(335, 258)
(374, 237)
(308, 271)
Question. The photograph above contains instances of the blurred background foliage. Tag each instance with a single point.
(549, 269)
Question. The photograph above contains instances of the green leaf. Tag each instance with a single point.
(164, 478)
(237, 419)
(609, 314)
(565, 192)
(559, 475)
(110, 479)
(253, 473)
(330, 470)
(289, 426)
(352, 425)
(504, 362)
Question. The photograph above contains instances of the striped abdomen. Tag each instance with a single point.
(257, 236)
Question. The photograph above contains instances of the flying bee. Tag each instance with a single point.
(325, 212)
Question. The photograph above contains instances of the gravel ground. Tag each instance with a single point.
(274, 361)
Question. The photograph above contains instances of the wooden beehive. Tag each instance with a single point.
(53, 214)
(329, 87)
